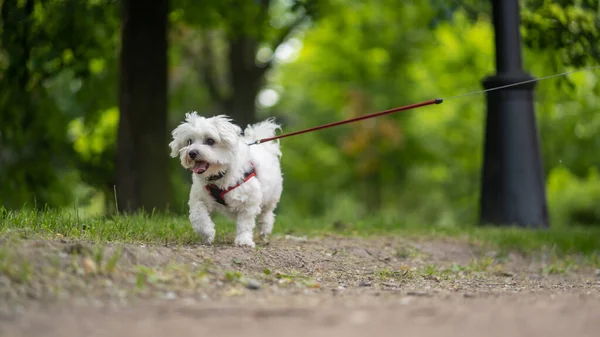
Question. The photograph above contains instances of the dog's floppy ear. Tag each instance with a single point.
(180, 132)
(175, 146)
(228, 131)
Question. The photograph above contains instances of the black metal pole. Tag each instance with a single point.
(513, 185)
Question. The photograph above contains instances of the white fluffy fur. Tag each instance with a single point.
(256, 199)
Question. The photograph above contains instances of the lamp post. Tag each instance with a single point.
(513, 185)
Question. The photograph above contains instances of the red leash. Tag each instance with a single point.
(418, 105)
(356, 119)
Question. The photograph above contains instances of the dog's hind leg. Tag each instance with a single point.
(266, 220)
(245, 229)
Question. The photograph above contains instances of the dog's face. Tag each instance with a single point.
(205, 145)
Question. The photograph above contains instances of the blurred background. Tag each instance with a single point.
(63, 98)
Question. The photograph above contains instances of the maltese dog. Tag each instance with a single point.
(228, 176)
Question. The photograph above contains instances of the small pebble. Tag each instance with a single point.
(389, 285)
(296, 238)
(337, 290)
(170, 295)
(253, 284)
(365, 284)
(417, 293)
(89, 266)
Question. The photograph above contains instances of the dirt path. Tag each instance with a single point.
(510, 315)
(295, 287)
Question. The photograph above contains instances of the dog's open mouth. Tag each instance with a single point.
(200, 167)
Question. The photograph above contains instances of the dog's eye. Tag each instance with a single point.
(189, 142)
(209, 141)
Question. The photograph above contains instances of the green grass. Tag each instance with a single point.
(176, 230)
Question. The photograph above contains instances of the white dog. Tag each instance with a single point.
(229, 176)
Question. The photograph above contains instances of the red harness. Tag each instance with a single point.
(219, 194)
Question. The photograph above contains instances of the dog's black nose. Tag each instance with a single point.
(193, 154)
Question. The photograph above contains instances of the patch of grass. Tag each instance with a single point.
(14, 268)
(556, 268)
(477, 265)
(387, 274)
(174, 276)
(234, 276)
(111, 264)
(481, 265)
(144, 276)
(297, 279)
(561, 265)
(103, 264)
(431, 270)
(155, 228)
(408, 253)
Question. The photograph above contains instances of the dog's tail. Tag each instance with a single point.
(264, 129)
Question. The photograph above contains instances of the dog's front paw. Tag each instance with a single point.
(208, 236)
(244, 240)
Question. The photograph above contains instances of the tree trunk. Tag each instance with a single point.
(246, 81)
(142, 161)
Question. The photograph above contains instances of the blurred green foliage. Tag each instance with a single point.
(50, 54)
(569, 27)
(57, 131)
